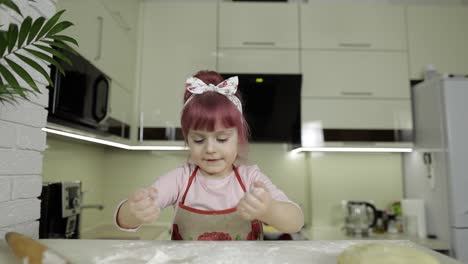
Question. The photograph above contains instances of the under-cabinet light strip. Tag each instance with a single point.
(174, 148)
(110, 143)
(349, 149)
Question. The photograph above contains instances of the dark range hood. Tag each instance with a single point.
(272, 108)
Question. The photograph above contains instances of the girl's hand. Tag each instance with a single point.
(256, 203)
(143, 205)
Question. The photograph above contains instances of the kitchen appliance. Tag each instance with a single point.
(60, 210)
(80, 98)
(437, 171)
(360, 217)
(81, 94)
(272, 106)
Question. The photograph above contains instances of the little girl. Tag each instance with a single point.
(215, 196)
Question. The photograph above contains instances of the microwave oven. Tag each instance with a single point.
(80, 96)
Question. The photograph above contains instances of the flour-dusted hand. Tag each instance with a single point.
(143, 205)
(256, 203)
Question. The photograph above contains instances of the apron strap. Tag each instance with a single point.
(194, 173)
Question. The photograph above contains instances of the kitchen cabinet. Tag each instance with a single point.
(353, 26)
(120, 103)
(258, 25)
(102, 39)
(172, 54)
(258, 61)
(342, 113)
(86, 16)
(355, 74)
(438, 35)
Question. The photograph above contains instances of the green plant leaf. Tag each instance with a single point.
(3, 43)
(12, 36)
(59, 28)
(24, 30)
(54, 52)
(49, 24)
(36, 66)
(36, 26)
(8, 92)
(23, 74)
(8, 76)
(64, 38)
(61, 45)
(46, 58)
(12, 5)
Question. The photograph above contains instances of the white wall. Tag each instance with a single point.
(417, 186)
(75, 160)
(22, 142)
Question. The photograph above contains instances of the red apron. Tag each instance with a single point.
(195, 224)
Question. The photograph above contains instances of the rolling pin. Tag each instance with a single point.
(25, 247)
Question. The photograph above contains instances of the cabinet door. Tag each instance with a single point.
(357, 113)
(179, 40)
(117, 51)
(353, 26)
(259, 25)
(355, 74)
(438, 35)
(85, 15)
(258, 61)
(102, 39)
(121, 103)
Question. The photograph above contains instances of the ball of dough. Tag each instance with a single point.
(384, 253)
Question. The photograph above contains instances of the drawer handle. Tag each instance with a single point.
(357, 93)
(355, 45)
(258, 43)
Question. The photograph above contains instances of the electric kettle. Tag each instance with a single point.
(361, 216)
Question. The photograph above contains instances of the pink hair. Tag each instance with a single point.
(205, 111)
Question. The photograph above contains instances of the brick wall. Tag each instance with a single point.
(22, 142)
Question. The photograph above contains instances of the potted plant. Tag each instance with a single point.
(34, 40)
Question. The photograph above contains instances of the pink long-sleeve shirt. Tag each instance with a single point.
(209, 193)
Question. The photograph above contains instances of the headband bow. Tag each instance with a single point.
(227, 88)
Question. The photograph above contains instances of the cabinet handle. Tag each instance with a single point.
(258, 43)
(100, 29)
(355, 45)
(357, 93)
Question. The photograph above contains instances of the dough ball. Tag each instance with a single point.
(384, 253)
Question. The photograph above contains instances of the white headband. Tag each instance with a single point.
(227, 88)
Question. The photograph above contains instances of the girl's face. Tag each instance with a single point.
(213, 152)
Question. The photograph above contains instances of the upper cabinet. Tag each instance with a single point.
(105, 37)
(355, 74)
(86, 16)
(258, 61)
(179, 39)
(353, 26)
(258, 25)
(438, 35)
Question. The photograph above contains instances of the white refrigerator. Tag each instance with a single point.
(437, 171)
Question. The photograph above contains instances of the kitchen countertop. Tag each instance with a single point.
(152, 252)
